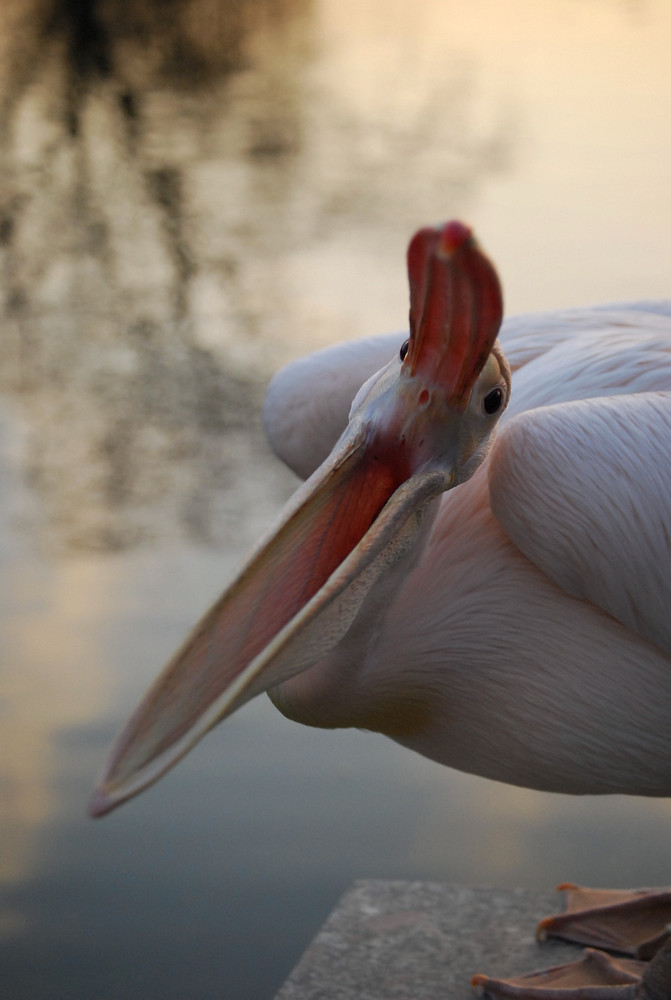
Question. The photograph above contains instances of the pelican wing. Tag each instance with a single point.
(532, 335)
(308, 402)
(584, 491)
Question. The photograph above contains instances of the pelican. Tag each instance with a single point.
(478, 563)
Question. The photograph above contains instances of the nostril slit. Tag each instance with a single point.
(424, 397)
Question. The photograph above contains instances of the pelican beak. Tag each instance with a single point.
(357, 515)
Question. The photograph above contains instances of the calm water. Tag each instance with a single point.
(190, 195)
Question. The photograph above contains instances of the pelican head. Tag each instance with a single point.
(418, 427)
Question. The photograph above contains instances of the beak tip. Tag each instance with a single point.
(100, 803)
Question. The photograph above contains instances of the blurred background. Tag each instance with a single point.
(193, 192)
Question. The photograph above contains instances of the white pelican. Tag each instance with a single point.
(517, 627)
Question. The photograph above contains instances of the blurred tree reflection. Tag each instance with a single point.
(163, 163)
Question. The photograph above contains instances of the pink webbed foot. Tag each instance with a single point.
(596, 976)
(632, 922)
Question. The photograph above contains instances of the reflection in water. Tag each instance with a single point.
(124, 406)
(191, 192)
(159, 174)
(51, 675)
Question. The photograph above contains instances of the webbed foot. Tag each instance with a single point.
(635, 922)
(596, 976)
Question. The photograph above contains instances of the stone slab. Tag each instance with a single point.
(424, 941)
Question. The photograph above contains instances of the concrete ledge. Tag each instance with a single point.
(423, 941)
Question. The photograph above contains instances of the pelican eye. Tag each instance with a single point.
(404, 349)
(493, 401)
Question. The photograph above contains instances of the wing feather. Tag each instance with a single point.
(307, 403)
(584, 491)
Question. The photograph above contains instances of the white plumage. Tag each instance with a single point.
(534, 636)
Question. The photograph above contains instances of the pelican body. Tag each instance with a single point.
(495, 599)
(532, 640)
